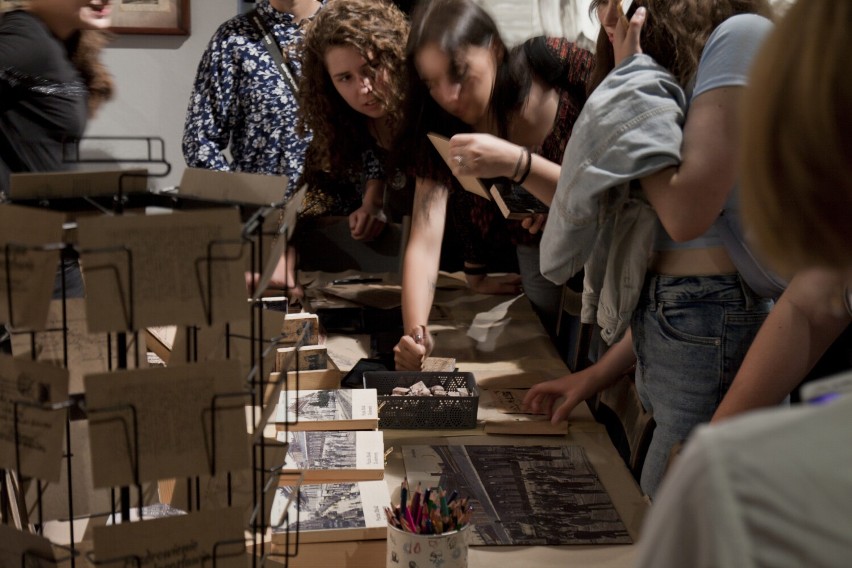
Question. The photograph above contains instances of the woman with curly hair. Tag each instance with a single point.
(353, 86)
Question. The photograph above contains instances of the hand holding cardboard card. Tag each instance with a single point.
(470, 183)
(513, 200)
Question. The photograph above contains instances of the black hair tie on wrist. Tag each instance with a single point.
(526, 169)
(518, 163)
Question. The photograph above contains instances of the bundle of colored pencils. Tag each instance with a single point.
(430, 511)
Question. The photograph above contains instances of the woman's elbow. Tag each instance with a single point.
(682, 234)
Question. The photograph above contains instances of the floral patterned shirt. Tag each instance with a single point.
(241, 101)
(342, 194)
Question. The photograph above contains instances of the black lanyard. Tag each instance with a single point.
(273, 49)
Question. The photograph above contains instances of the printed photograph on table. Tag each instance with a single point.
(522, 495)
(161, 17)
(329, 409)
(330, 512)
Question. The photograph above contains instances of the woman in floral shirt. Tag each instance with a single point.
(241, 101)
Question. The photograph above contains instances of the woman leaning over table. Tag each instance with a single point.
(509, 113)
(695, 316)
(353, 67)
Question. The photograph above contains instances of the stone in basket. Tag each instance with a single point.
(425, 400)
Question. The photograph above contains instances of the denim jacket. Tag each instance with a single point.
(630, 127)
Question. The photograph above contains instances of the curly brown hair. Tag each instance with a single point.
(86, 58)
(675, 33)
(378, 31)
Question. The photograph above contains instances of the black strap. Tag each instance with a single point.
(274, 51)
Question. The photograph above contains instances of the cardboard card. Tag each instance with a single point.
(27, 272)
(18, 548)
(185, 268)
(231, 341)
(170, 411)
(508, 401)
(77, 183)
(236, 490)
(515, 202)
(281, 224)
(469, 183)
(86, 352)
(233, 187)
(27, 390)
(207, 538)
(86, 500)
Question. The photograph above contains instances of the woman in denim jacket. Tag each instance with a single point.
(695, 317)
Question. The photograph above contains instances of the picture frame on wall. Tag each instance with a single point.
(161, 17)
(6, 5)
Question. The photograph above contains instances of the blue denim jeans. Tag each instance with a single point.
(544, 295)
(74, 287)
(690, 335)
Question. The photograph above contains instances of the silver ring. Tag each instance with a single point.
(459, 161)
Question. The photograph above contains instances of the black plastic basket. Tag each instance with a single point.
(424, 412)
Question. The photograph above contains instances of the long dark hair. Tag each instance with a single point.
(453, 26)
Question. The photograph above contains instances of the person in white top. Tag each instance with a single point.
(770, 488)
(773, 488)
